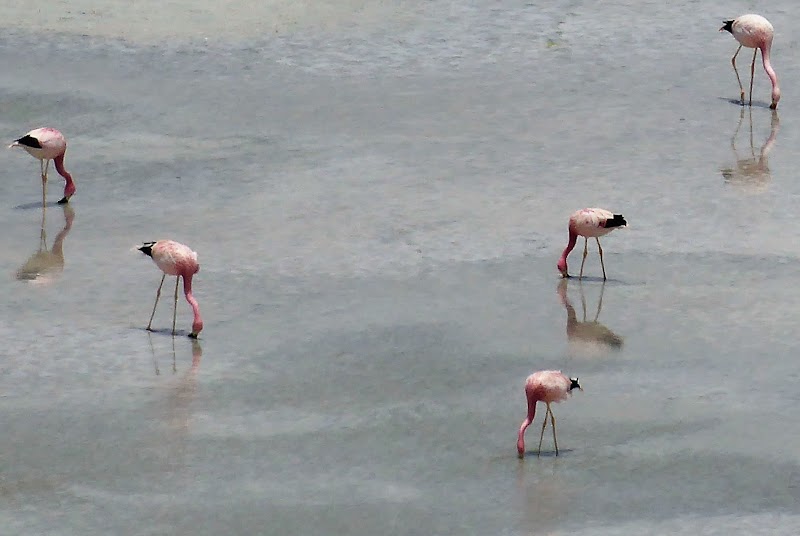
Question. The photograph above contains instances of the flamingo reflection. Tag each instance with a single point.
(176, 411)
(45, 265)
(752, 172)
(587, 338)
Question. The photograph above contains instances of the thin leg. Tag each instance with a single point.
(44, 182)
(175, 305)
(158, 295)
(553, 422)
(541, 436)
(733, 62)
(585, 252)
(601, 258)
(752, 75)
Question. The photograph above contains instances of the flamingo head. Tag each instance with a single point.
(574, 384)
(521, 448)
(197, 327)
(727, 26)
(776, 96)
(562, 267)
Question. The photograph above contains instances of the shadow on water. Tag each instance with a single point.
(533, 454)
(594, 279)
(45, 265)
(737, 102)
(28, 206)
(587, 338)
(751, 172)
(167, 332)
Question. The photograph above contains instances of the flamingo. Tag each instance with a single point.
(174, 258)
(47, 144)
(589, 223)
(754, 31)
(546, 386)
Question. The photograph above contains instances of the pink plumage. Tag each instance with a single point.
(589, 223)
(174, 258)
(546, 386)
(754, 31)
(46, 144)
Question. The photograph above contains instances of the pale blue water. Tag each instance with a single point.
(378, 194)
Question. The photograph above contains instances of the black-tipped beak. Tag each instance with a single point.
(193, 336)
(63, 201)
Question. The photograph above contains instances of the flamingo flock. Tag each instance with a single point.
(548, 386)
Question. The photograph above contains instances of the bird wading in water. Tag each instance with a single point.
(546, 386)
(47, 144)
(754, 31)
(589, 223)
(174, 258)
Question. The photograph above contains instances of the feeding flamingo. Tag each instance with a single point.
(589, 223)
(754, 31)
(546, 386)
(47, 144)
(176, 259)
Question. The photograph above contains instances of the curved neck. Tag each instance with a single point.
(59, 160)
(528, 420)
(197, 324)
(69, 187)
(573, 238)
(765, 52)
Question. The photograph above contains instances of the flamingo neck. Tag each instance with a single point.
(562, 262)
(528, 420)
(69, 187)
(776, 91)
(197, 324)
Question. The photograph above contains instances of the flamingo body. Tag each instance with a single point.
(174, 258)
(754, 31)
(589, 223)
(548, 386)
(46, 144)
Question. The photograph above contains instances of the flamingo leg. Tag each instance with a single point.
(752, 75)
(158, 295)
(44, 181)
(733, 62)
(602, 264)
(585, 252)
(175, 305)
(553, 422)
(541, 436)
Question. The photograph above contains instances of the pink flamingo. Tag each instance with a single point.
(589, 223)
(754, 31)
(546, 386)
(173, 258)
(47, 144)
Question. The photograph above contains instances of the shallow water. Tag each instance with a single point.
(378, 193)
